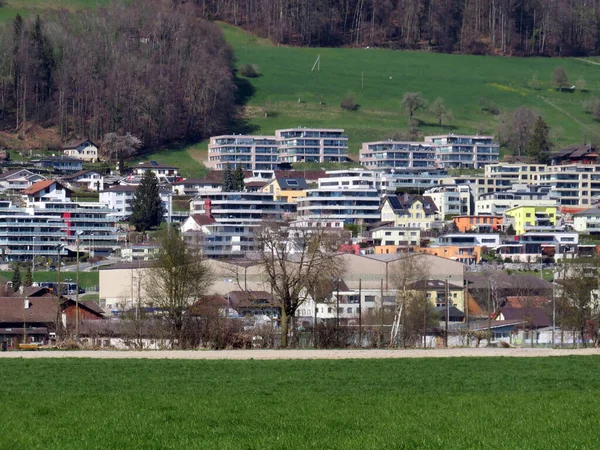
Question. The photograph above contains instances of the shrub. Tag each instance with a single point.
(592, 107)
(250, 70)
(348, 102)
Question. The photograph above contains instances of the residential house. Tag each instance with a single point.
(47, 190)
(84, 150)
(119, 199)
(142, 251)
(288, 189)
(531, 218)
(165, 173)
(576, 154)
(253, 303)
(465, 248)
(532, 246)
(388, 239)
(587, 221)
(439, 291)
(59, 164)
(213, 182)
(415, 211)
(14, 181)
(85, 179)
(478, 223)
(451, 200)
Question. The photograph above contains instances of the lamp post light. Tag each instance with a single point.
(33, 255)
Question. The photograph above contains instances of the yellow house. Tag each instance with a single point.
(288, 189)
(405, 210)
(531, 218)
(437, 291)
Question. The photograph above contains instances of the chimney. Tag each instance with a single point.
(21, 289)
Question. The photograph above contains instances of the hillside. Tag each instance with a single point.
(294, 95)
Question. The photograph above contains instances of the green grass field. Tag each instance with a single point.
(86, 279)
(454, 403)
(31, 7)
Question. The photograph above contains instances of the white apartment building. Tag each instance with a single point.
(86, 179)
(312, 145)
(165, 173)
(531, 246)
(573, 185)
(41, 227)
(469, 239)
(395, 236)
(14, 181)
(352, 196)
(241, 207)
(119, 198)
(587, 221)
(247, 152)
(496, 203)
(397, 154)
(462, 151)
(451, 200)
(516, 172)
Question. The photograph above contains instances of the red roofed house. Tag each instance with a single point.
(46, 190)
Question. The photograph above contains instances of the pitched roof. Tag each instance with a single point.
(43, 309)
(247, 299)
(40, 185)
(153, 165)
(536, 316)
(402, 202)
(76, 143)
(575, 152)
(501, 280)
(434, 285)
(78, 174)
(8, 173)
(526, 301)
(453, 311)
(203, 219)
(588, 212)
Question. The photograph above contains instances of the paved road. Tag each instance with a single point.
(301, 354)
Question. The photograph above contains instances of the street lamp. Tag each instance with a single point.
(33, 255)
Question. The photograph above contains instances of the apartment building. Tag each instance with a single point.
(247, 152)
(573, 186)
(479, 223)
(462, 151)
(44, 228)
(451, 200)
(530, 247)
(287, 189)
(397, 154)
(241, 207)
(531, 218)
(516, 172)
(312, 145)
(587, 221)
(165, 173)
(414, 211)
(119, 198)
(464, 248)
(353, 205)
(496, 203)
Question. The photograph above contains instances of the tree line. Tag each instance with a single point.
(151, 69)
(511, 27)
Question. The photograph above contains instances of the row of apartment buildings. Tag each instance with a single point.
(331, 145)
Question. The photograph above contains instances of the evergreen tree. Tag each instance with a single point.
(227, 184)
(16, 278)
(42, 59)
(28, 281)
(538, 147)
(147, 210)
(238, 179)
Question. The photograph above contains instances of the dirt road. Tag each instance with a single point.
(302, 354)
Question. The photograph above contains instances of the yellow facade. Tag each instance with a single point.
(527, 217)
(417, 217)
(288, 195)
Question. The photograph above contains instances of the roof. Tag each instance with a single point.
(92, 306)
(588, 212)
(59, 159)
(575, 152)
(8, 173)
(245, 299)
(526, 301)
(312, 175)
(208, 303)
(200, 181)
(434, 284)
(537, 317)
(453, 312)
(203, 219)
(79, 173)
(121, 188)
(40, 185)
(128, 265)
(153, 165)
(42, 310)
(402, 202)
(501, 280)
(76, 143)
(292, 183)
(256, 184)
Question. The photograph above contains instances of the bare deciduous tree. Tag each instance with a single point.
(178, 277)
(295, 261)
(516, 129)
(412, 102)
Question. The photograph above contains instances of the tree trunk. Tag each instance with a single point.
(284, 328)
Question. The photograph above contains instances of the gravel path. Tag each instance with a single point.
(302, 354)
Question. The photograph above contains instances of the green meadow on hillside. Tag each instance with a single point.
(432, 403)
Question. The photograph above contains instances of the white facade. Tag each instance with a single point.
(396, 236)
(85, 151)
(164, 172)
(573, 185)
(516, 172)
(462, 151)
(88, 179)
(247, 152)
(587, 221)
(451, 200)
(470, 239)
(351, 204)
(402, 154)
(119, 198)
(16, 180)
(496, 203)
(312, 145)
(237, 207)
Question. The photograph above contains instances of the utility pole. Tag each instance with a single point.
(337, 313)
(381, 313)
(489, 306)
(360, 312)
(447, 313)
(77, 295)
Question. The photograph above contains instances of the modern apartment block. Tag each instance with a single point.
(40, 228)
(247, 152)
(312, 145)
(350, 196)
(451, 200)
(574, 186)
(462, 151)
(516, 172)
(397, 154)
(119, 198)
(495, 203)
(240, 207)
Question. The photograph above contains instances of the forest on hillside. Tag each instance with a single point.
(149, 68)
(508, 27)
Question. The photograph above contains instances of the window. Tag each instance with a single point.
(369, 298)
(329, 310)
(388, 233)
(349, 310)
(528, 215)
